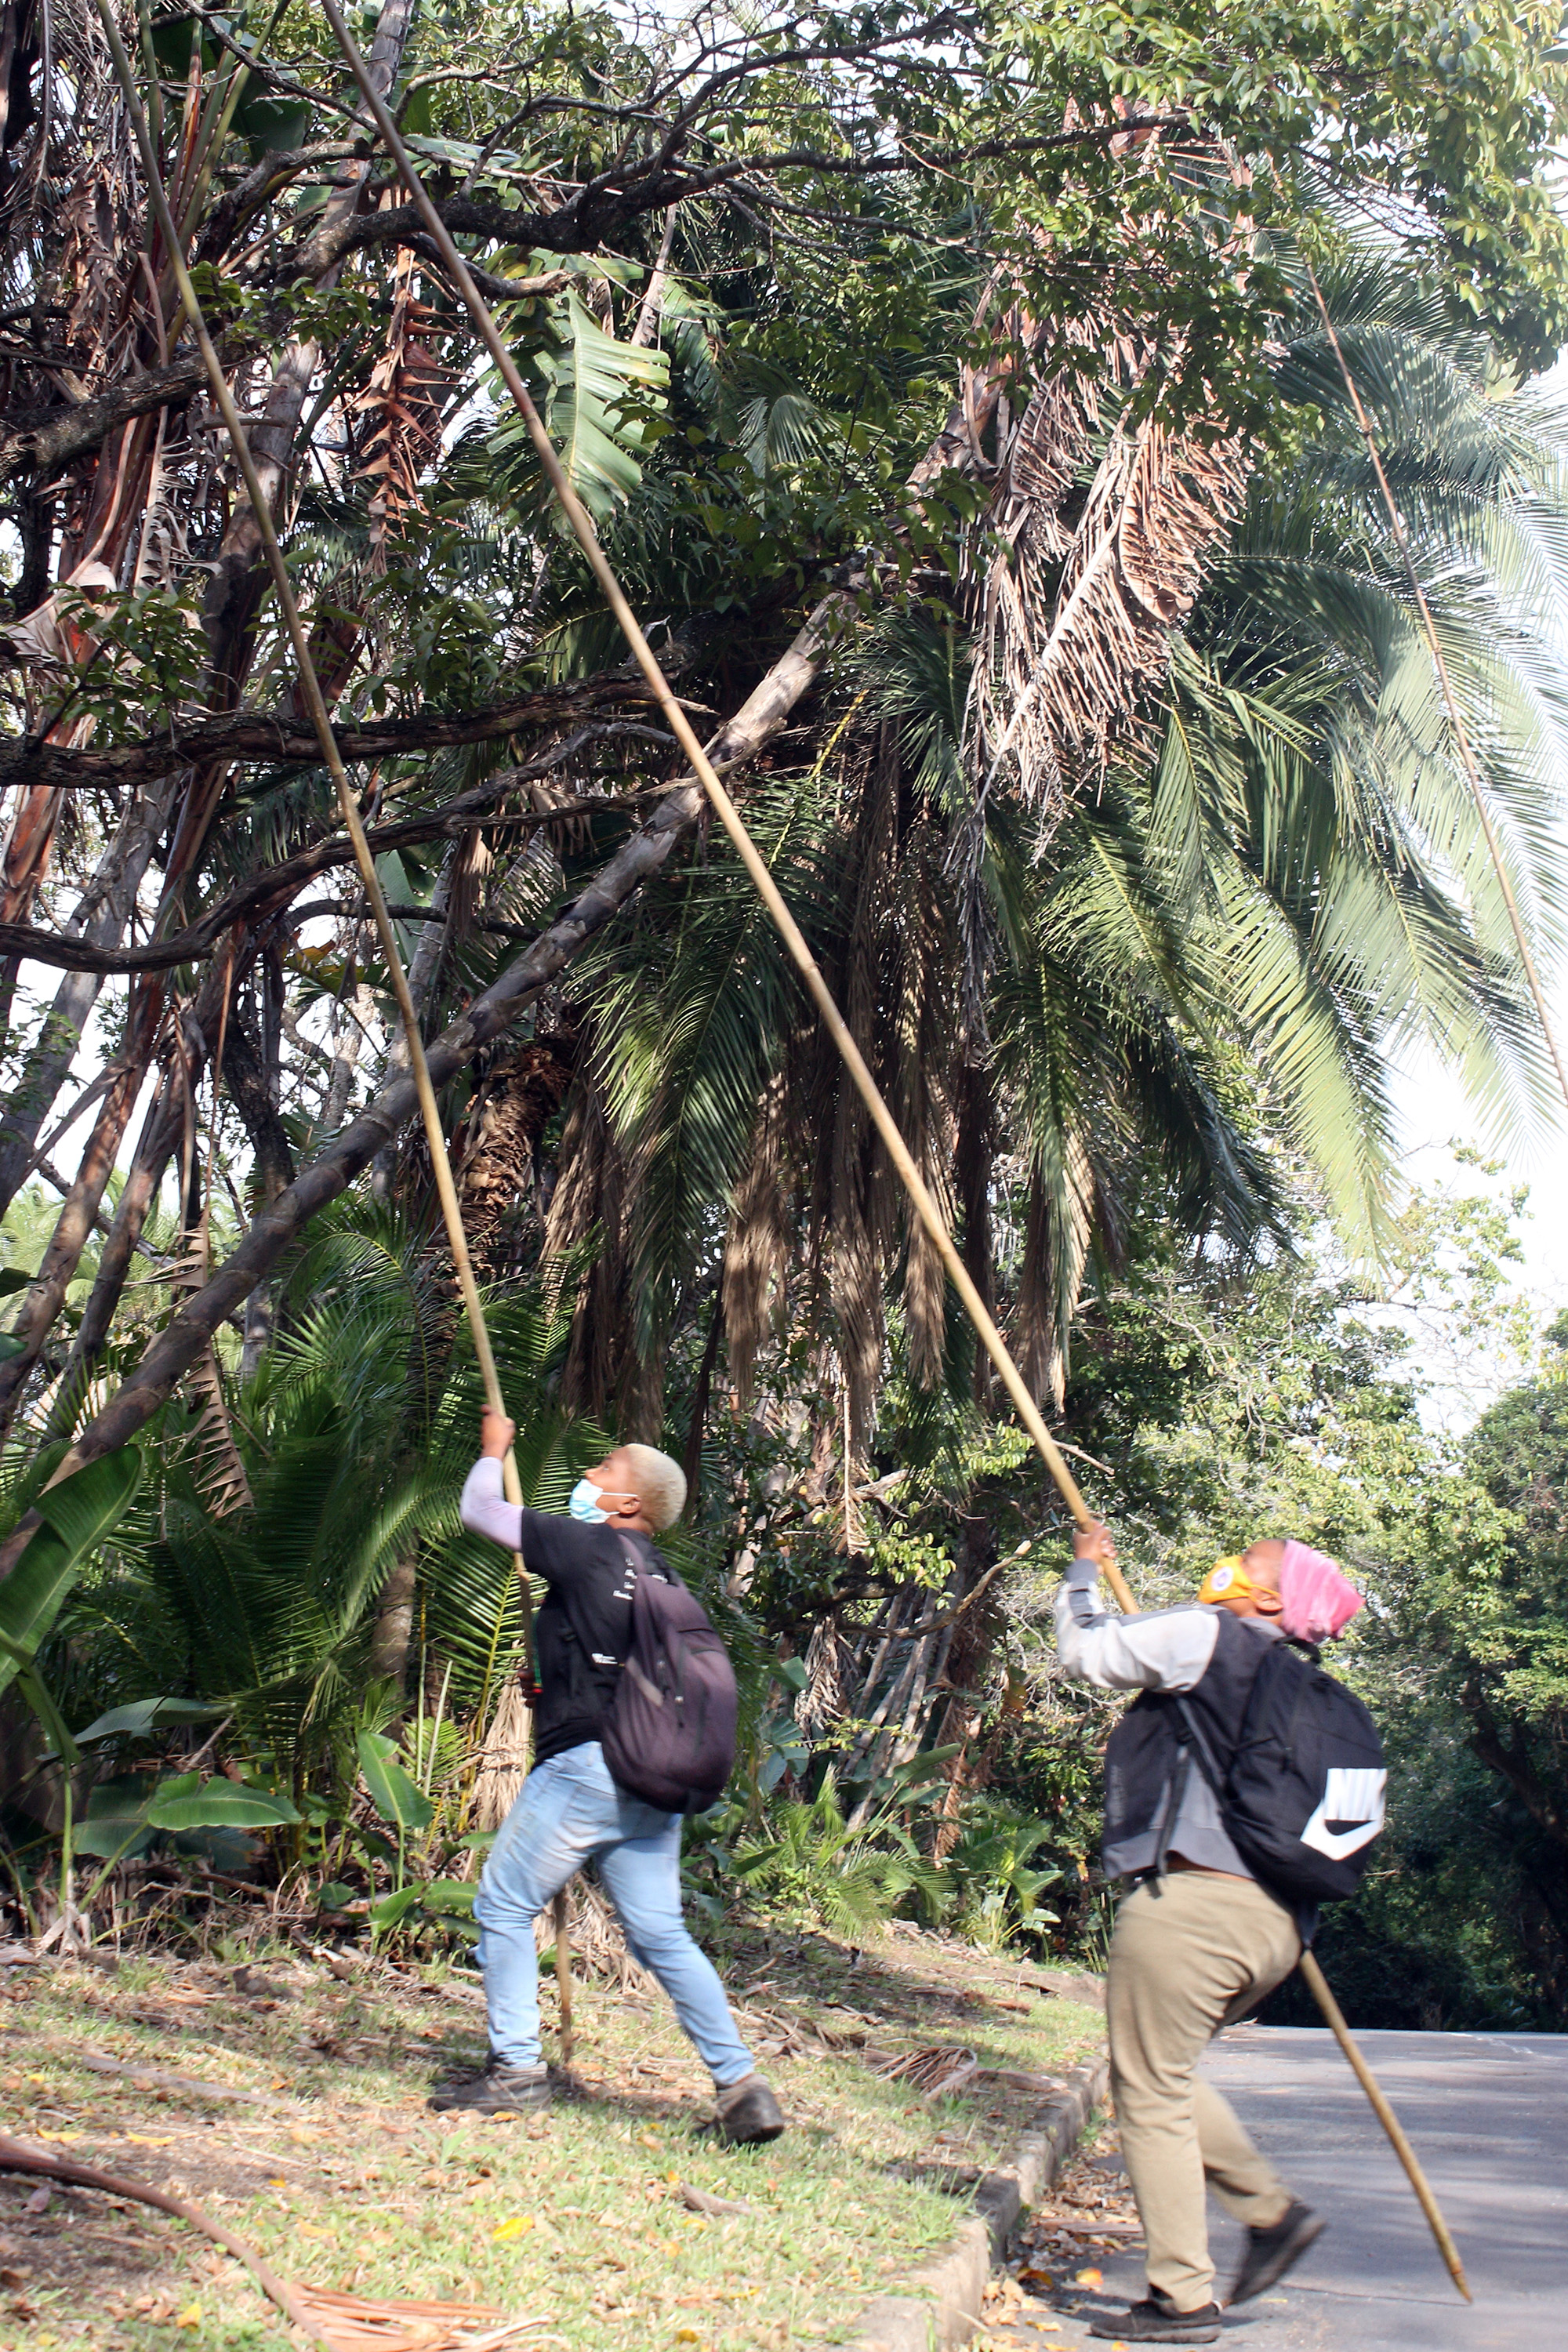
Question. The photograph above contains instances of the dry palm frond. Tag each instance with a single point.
(830, 1669)
(220, 1470)
(757, 1246)
(357, 2323)
(503, 1758)
(1063, 675)
(937, 2068)
(592, 1197)
(471, 862)
(403, 400)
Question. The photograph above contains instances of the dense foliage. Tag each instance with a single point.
(953, 390)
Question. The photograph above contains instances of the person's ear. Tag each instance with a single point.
(1266, 1601)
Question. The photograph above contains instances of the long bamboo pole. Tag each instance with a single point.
(681, 727)
(321, 720)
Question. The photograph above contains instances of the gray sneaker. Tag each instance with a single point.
(748, 2112)
(1271, 2252)
(499, 2090)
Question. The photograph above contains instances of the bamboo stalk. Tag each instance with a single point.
(564, 1976)
(681, 727)
(1317, 1985)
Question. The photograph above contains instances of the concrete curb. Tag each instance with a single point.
(943, 2310)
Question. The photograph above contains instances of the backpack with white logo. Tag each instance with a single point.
(668, 1732)
(1302, 1794)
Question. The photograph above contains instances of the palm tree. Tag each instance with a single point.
(1201, 966)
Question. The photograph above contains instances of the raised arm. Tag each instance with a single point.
(484, 1510)
(1167, 1651)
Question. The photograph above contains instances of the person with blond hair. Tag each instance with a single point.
(572, 1811)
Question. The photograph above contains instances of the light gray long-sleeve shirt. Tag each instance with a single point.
(1167, 1650)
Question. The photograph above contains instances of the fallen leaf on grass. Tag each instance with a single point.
(702, 2202)
(513, 2227)
(190, 2317)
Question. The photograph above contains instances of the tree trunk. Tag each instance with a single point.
(161, 1131)
(422, 970)
(253, 1071)
(353, 1021)
(393, 1631)
(100, 915)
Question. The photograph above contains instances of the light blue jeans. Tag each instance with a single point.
(570, 1812)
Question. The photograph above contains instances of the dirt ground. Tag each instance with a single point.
(285, 2094)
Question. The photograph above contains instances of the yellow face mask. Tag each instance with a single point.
(1226, 1581)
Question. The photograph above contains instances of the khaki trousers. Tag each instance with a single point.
(1187, 1957)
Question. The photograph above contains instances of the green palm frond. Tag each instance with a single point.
(602, 399)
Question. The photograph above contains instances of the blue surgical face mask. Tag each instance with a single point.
(584, 1503)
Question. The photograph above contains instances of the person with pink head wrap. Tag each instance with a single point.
(1199, 1939)
(1316, 1602)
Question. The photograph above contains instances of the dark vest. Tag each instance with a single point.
(1142, 1786)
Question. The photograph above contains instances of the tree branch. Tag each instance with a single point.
(44, 438)
(600, 212)
(284, 739)
(1512, 1764)
(268, 892)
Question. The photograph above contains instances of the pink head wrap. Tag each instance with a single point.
(1315, 1599)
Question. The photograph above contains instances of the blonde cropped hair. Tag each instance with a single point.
(661, 1484)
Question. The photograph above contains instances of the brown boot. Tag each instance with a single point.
(748, 2112)
(499, 2090)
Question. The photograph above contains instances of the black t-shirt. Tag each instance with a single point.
(584, 1629)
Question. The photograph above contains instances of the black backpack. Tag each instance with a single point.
(668, 1732)
(1302, 1795)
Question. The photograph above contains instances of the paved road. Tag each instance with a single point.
(1488, 2114)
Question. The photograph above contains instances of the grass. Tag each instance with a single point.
(336, 2171)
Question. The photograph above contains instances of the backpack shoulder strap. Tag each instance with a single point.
(643, 1557)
